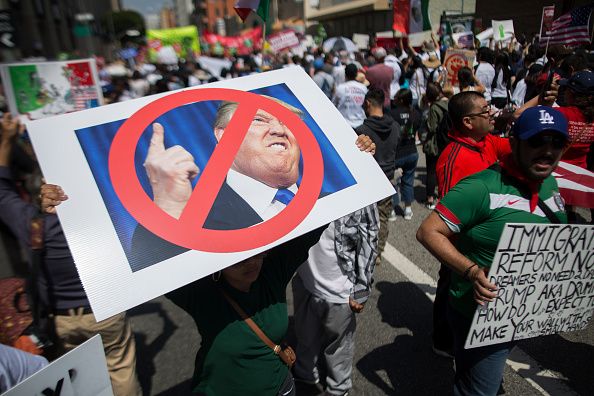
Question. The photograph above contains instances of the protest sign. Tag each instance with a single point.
(183, 40)
(546, 22)
(97, 157)
(484, 36)
(80, 372)
(214, 65)
(283, 40)
(361, 40)
(454, 60)
(243, 44)
(417, 39)
(464, 39)
(37, 90)
(545, 279)
(503, 30)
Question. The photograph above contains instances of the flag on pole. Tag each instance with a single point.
(571, 29)
(243, 8)
(411, 16)
(576, 184)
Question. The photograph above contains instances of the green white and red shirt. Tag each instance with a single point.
(477, 209)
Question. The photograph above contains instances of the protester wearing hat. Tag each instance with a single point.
(380, 75)
(476, 211)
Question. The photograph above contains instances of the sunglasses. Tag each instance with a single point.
(556, 141)
(482, 113)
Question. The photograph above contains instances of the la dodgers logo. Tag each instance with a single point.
(546, 118)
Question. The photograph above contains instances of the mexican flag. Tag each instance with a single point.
(260, 7)
(411, 16)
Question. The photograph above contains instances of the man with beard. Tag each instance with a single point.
(520, 189)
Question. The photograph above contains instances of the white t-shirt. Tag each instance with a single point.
(321, 273)
(418, 83)
(348, 99)
(500, 90)
(485, 73)
(519, 93)
(392, 61)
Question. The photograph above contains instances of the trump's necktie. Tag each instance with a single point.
(284, 195)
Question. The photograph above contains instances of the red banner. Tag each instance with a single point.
(242, 44)
(401, 16)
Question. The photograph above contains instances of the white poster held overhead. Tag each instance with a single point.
(80, 372)
(37, 90)
(503, 30)
(545, 279)
(362, 40)
(417, 39)
(129, 249)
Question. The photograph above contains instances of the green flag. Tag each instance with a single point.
(264, 9)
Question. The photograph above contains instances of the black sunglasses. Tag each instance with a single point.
(537, 141)
(486, 111)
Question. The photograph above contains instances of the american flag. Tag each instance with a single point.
(576, 184)
(571, 29)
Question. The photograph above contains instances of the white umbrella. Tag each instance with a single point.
(339, 44)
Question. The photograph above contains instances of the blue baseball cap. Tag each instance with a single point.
(581, 82)
(535, 120)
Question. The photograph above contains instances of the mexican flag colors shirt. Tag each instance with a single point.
(477, 209)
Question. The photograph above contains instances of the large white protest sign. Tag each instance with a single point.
(417, 39)
(362, 40)
(545, 279)
(80, 372)
(128, 250)
(503, 30)
(37, 90)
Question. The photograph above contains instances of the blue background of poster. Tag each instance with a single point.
(189, 126)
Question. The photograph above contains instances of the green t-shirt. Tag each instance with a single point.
(232, 359)
(477, 208)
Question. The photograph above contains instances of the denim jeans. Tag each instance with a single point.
(479, 371)
(408, 163)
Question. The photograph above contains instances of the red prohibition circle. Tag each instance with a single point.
(188, 231)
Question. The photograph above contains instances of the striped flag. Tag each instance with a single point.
(571, 29)
(576, 185)
(243, 8)
(411, 16)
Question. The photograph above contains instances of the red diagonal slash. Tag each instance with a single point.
(188, 231)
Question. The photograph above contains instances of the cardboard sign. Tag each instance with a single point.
(183, 40)
(464, 39)
(43, 89)
(417, 39)
(546, 22)
(362, 40)
(454, 60)
(545, 279)
(283, 40)
(80, 372)
(503, 30)
(98, 157)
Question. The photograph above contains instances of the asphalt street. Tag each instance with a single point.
(393, 338)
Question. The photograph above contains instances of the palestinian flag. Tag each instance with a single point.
(411, 16)
(243, 8)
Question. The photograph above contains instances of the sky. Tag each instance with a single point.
(146, 6)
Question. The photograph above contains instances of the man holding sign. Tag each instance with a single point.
(520, 189)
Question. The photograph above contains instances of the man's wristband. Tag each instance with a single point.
(467, 271)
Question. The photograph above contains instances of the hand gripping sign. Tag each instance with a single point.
(188, 231)
(91, 155)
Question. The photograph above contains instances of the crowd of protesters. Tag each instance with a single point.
(400, 100)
